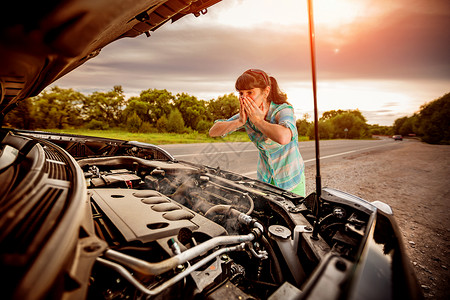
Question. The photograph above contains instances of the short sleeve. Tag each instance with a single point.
(235, 117)
(284, 115)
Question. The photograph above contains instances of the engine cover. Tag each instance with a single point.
(147, 215)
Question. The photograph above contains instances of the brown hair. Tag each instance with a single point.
(255, 78)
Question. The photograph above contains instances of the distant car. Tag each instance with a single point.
(397, 137)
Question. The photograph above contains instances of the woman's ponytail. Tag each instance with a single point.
(276, 95)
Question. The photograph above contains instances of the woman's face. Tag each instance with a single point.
(256, 94)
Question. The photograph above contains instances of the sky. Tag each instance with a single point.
(386, 58)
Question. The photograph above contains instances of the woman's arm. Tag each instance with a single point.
(223, 127)
(277, 133)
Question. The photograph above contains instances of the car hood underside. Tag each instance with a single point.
(41, 42)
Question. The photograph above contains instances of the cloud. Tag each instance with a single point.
(415, 45)
(383, 118)
(390, 104)
(408, 44)
(402, 49)
(197, 56)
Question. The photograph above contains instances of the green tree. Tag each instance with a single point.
(223, 107)
(377, 129)
(406, 125)
(22, 116)
(325, 130)
(175, 122)
(135, 106)
(434, 122)
(409, 126)
(349, 125)
(161, 124)
(134, 123)
(191, 109)
(344, 124)
(58, 108)
(153, 104)
(105, 107)
(398, 123)
(303, 125)
(331, 114)
(203, 126)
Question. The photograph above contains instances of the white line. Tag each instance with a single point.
(343, 153)
(325, 157)
(333, 155)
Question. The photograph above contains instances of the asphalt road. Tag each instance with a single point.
(242, 158)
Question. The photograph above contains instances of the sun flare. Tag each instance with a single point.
(329, 13)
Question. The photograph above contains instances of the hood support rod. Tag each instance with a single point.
(316, 122)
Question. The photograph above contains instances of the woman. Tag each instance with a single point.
(270, 124)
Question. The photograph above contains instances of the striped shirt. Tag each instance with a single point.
(280, 164)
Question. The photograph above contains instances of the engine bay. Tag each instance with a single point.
(106, 219)
(183, 231)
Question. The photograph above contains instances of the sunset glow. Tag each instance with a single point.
(385, 58)
(329, 13)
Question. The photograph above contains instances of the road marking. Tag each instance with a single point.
(255, 150)
(333, 155)
(325, 157)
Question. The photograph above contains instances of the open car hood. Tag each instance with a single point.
(94, 218)
(43, 40)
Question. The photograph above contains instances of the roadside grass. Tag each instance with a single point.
(156, 138)
(160, 138)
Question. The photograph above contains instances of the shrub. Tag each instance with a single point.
(146, 127)
(203, 126)
(161, 124)
(134, 123)
(175, 122)
(325, 130)
(95, 124)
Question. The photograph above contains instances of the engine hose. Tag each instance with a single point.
(155, 291)
(147, 268)
(278, 274)
(227, 209)
(251, 202)
(222, 209)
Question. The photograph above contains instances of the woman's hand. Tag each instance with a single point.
(255, 113)
(242, 112)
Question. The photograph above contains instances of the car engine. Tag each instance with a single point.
(181, 231)
(89, 218)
